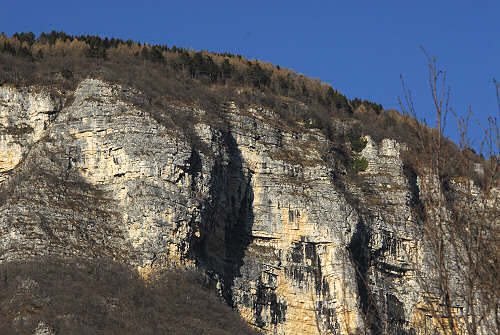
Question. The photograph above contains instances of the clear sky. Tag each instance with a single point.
(360, 47)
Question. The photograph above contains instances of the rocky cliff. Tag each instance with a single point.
(259, 206)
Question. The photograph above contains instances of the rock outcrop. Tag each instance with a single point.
(258, 206)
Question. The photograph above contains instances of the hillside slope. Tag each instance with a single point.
(301, 230)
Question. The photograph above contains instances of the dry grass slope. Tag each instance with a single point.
(81, 296)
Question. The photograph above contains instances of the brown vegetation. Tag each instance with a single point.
(460, 223)
(169, 75)
(82, 296)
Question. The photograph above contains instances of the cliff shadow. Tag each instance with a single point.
(227, 220)
(67, 215)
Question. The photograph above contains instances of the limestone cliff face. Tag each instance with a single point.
(258, 207)
(24, 116)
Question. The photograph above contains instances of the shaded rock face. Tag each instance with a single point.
(24, 118)
(258, 208)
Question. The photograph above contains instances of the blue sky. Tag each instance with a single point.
(360, 47)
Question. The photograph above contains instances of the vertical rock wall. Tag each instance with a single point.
(257, 207)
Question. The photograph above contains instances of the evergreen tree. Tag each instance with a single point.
(227, 69)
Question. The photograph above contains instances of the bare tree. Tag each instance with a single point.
(459, 272)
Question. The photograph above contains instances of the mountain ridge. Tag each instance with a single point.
(301, 230)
